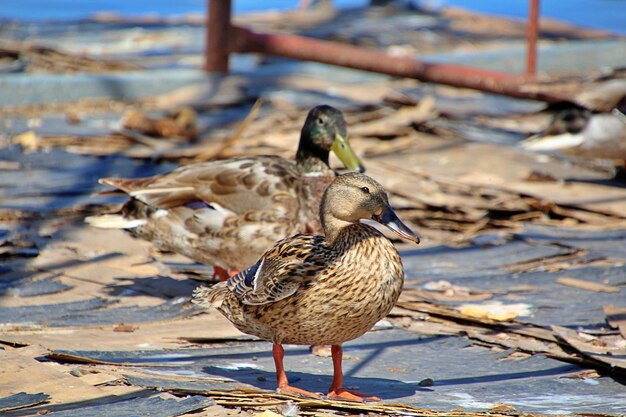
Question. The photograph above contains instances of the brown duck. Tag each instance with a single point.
(228, 212)
(313, 290)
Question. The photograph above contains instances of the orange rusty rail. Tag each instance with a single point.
(531, 39)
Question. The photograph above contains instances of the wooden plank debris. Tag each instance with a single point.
(46, 59)
(607, 356)
(152, 335)
(553, 342)
(156, 406)
(22, 373)
(445, 291)
(22, 400)
(257, 400)
(495, 310)
(616, 317)
(587, 285)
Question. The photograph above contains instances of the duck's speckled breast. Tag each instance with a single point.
(357, 287)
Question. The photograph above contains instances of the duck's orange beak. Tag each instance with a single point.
(389, 218)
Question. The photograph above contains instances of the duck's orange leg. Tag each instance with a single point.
(281, 376)
(221, 274)
(336, 390)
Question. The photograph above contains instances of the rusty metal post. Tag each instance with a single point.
(531, 39)
(218, 27)
(303, 48)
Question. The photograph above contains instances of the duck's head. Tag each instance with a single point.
(570, 120)
(354, 196)
(325, 130)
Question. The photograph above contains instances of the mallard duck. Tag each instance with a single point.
(226, 213)
(578, 131)
(311, 290)
(591, 126)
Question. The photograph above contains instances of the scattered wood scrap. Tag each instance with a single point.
(22, 400)
(257, 400)
(176, 124)
(453, 208)
(600, 352)
(616, 318)
(37, 58)
(23, 373)
(586, 285)
(605, 352)
(446, 204)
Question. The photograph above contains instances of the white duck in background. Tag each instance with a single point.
(592, 126)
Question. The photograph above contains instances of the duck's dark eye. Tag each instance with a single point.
(365, 190)
(320, 121)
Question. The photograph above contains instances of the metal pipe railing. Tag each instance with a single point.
(223, 39)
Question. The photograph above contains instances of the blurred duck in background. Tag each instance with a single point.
(592, 126)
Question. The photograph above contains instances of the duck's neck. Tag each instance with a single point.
(311, 159)
(333, 228)
(345, 235)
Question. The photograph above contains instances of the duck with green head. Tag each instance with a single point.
(228, 212)
(311, 290)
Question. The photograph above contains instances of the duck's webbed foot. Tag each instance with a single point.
(336, 390)
(341, 393)
(288, 389)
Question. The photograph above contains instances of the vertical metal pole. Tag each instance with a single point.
(216, 49)
(531, 38)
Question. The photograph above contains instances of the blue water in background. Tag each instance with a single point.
(77, 9)
(601, 14)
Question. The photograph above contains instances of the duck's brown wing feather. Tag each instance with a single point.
(292, 263)
(239, 184)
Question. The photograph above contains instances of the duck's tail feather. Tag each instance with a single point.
(212, 296)
(114, 221)
(552, 143)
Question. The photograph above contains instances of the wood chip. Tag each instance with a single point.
(399, 122)
(586, 285)
(495, 310)
(616, 317)
(610, 357)
(45, 59)
(28, 140)
(123, 327)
